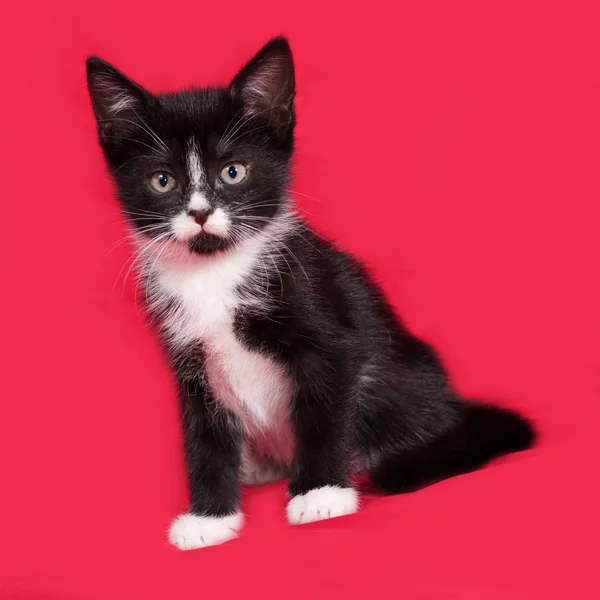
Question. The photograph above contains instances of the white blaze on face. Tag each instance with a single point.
(198, 202)
(184, 226)
(194, 165)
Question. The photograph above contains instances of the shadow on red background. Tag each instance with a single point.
(452, 145)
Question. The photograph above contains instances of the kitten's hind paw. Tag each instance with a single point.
(189, 531)
(325, 502)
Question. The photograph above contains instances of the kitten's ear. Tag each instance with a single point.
(265, 86)
(116, 99)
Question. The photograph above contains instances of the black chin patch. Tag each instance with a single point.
(205, 243)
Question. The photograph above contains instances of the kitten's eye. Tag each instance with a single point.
(234, 173)
(163, 182)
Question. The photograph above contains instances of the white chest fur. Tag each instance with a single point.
(250, 384)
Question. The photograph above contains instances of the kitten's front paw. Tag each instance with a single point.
(322, 503)
(189, 531)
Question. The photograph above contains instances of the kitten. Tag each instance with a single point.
(289, 360)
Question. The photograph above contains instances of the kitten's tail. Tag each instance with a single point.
(482, 433)
(491, 431)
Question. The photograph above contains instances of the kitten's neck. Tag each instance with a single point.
(217, 284)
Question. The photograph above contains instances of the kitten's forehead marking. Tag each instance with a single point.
(194, 163)
(196, 176)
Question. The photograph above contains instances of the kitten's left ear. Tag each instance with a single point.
(265, 86)
(116, 99)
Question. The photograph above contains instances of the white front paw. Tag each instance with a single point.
(322, 503)
(190, 531)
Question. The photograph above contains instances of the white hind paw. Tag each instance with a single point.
(322, 503)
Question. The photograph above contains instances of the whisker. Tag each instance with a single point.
(255, 205)
(244, 133)
(129, 237)
(153, 133)
(147, 156)
(285, 247)
(144, 127)
(306, 196)
(135, 258)
(240, 123)
(227, 128)
(288, 265)
(158, 254)
(157, 151)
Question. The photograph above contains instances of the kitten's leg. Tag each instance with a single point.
(213, 452)
(323, 414)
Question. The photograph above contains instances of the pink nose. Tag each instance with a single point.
(200, 216)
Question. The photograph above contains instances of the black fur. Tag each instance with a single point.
(368, 395)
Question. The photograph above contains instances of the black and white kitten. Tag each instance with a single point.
(289, 360)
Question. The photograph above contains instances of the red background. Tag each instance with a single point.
(452, 145)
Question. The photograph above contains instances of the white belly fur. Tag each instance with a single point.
(253, 386)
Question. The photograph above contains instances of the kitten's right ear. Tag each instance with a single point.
(116, 99)
(265, 86)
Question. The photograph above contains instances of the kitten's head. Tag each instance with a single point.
(206, 168)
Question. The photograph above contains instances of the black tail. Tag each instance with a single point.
(483, 433)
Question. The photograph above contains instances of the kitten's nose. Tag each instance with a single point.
(200, 216)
